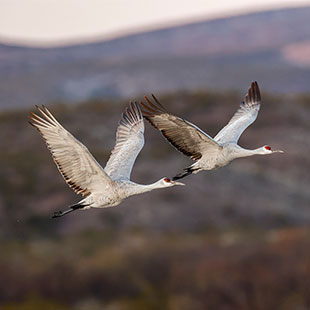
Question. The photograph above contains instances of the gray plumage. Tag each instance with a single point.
(209, 153)
(100, 188)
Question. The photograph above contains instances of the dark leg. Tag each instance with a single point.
(71, 209)
(185, 173)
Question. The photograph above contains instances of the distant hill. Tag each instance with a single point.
(226, 53)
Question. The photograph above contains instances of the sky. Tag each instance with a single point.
(54, 22)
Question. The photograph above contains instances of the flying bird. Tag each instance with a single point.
(208, 153)
(100, 187)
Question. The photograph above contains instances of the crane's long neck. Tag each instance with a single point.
(241, 152)
(136, 189)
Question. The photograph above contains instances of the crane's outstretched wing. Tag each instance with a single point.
(76, 164)
(243, 118)
(183, 135)
(129, 142)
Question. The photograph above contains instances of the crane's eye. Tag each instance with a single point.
(167, 180)
(267, 147)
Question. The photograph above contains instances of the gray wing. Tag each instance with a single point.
(183, 135)
(129, 142)
(243, 118)
(76, 164)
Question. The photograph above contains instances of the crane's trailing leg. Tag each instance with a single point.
(185, 173)
(71, 209)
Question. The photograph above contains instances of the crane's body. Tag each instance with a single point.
(226, 153)
(209, 153)
(113, 195)
(100, 187)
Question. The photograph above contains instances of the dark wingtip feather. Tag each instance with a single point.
(32, 119)
(156, 100)
(157, 108)
(149, 111)
(253, 94)
(32, 124)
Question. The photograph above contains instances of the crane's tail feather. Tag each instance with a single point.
(184, 173)
(72, 208)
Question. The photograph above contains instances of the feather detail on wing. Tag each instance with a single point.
(243, 118)
(129, 142)
(76, 164)
(183, 135)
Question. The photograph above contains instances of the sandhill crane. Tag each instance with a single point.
(101, 188)
(208, 153)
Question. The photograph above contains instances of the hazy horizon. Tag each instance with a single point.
(90, 27)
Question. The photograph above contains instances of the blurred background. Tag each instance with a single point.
(234, 238)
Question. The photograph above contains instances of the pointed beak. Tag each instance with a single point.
(277, 151)
(177, 183)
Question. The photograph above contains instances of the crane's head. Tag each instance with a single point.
(268, 150)
(166, 182)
